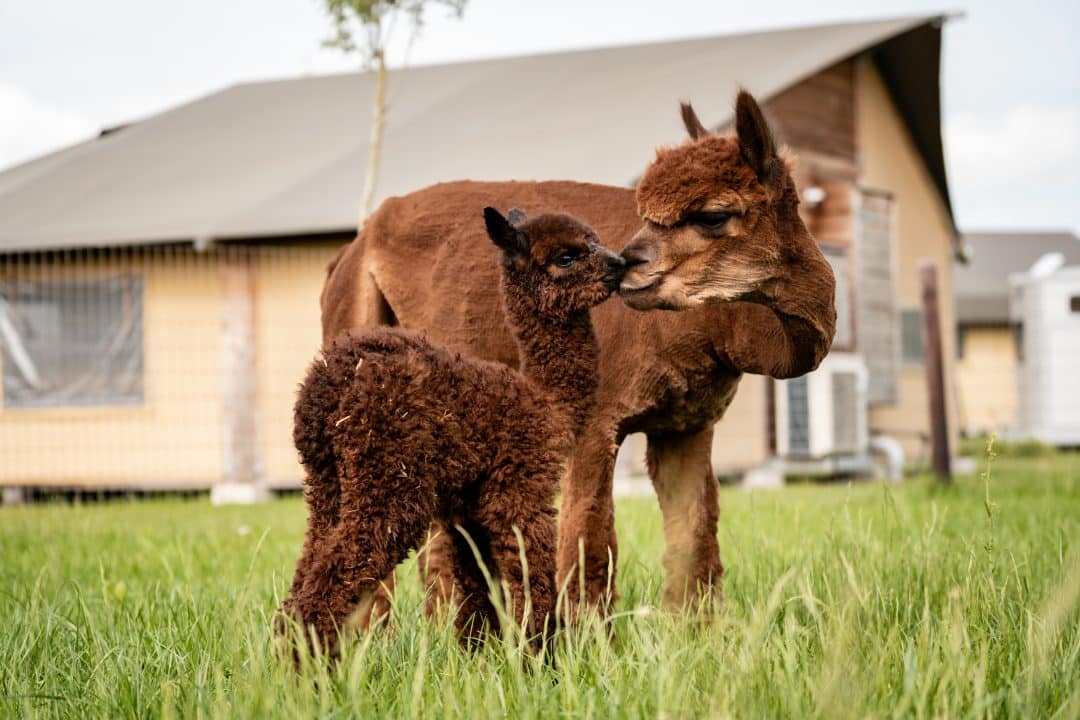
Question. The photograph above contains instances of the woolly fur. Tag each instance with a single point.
(683, 178)
(395, 433)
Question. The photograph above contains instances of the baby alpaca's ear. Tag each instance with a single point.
(507, 237)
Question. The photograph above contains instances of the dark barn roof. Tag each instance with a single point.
(981, 286)
(286, 158)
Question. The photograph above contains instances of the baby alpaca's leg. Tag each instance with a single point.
(322, 489)
(378, 609)
(344, 576)
(321, 498)
(381, 520)
(471, 599)
(526, 503)
(437, 567)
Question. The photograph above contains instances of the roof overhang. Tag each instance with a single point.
(286, 158)
(910, 64)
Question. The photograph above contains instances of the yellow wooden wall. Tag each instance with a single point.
(741, 440)
(986, 380)
(288, 333)
(173, 439)
(889, 161)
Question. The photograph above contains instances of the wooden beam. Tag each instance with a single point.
(935, 371)
(239, 376)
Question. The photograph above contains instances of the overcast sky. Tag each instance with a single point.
(1011, 71)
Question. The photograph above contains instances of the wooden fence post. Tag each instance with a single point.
(935, 371)
(242, 482)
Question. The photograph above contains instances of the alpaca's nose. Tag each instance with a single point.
(615, 266)
(614, 262)
(637, 253)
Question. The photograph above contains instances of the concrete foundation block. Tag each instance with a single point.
(238, 493)
(768, 476)
(13, 496)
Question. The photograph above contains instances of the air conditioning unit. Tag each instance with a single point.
(824, 414)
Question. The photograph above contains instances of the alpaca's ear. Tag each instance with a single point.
(690, 120)
(507, 237)
(756, 139)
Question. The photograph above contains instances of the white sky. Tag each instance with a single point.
(1011, 71)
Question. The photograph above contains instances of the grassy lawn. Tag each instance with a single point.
(841, 601)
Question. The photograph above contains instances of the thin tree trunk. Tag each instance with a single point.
(378, 118)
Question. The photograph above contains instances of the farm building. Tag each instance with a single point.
(987, 347)
(160, 282)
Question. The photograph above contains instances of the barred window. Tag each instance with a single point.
(72, 342)
(798, 416)
(876, 318)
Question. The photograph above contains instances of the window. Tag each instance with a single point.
(798, 416)
(845, 411)
(911, 346)
(876, 318)
(72, 342)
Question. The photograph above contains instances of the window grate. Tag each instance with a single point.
(845, 411)
(911, 344)
(72, 342)
(798, 417)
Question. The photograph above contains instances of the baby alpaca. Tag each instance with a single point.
(395, 432)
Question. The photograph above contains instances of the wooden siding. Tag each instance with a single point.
(818, 114)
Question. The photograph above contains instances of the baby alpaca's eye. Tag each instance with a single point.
(567, 258)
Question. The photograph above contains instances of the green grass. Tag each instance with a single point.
(841, 601)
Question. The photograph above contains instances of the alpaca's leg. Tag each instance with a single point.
(681, 470)
(322, 516)
(343, 578)
(321, 496)
(471, 592)
(437, 565)
(382, 518)
(322, 490)
(587, 544)
(377, 611)
(522, 505)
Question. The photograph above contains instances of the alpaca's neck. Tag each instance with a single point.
(558, 351)
(804, 298)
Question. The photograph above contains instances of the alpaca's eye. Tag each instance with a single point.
(710, 220)
(567, 259)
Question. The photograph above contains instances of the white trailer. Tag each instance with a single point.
(1044, 306)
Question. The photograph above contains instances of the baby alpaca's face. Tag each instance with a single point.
(571, 270)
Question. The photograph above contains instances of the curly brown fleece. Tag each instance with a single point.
(395, 433)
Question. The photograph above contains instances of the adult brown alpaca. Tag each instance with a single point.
(722, 242)
(395, 433)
